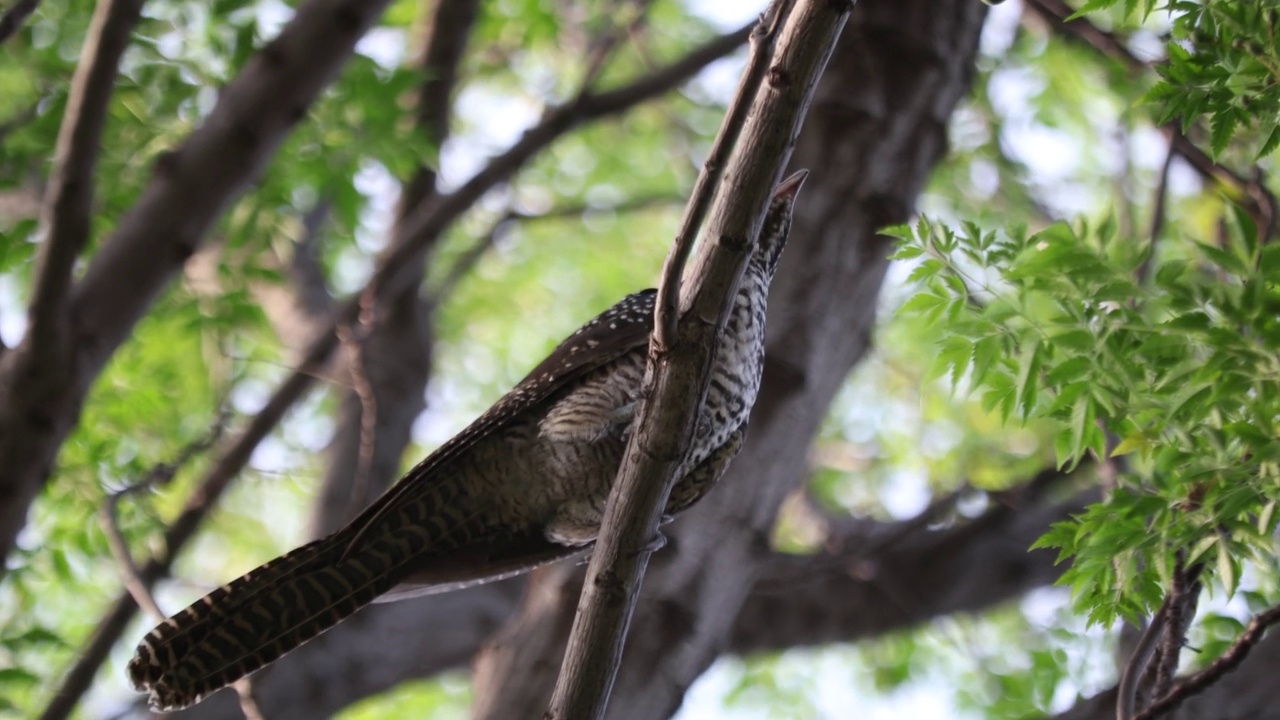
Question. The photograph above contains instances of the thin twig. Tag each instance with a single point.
(1227, 662)
(763, 36)
(1158, 218)
(19, 120)
(202, 500)
(466, 262)
(428, 220)
(601, 47)
(159, 476)
(353, 337)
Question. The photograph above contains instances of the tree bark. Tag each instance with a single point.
(1246, 694)
(876, 128)
(41, 391)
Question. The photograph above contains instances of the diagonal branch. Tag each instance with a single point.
(389, 278)
(429, 219)
(210, 489)
(448, 30)
(677, 376)
(188, 191)
(763, 36)
(1229, 661)
(194, 183)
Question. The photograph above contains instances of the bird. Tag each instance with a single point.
(525, 484)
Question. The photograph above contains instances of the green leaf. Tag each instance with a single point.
(1227, 569)
(1070, 369)
(1201, 547)
(1191, 403)
(1271, 143)
(1222, 126)
(1226, 260)
(1266, 518)
(907, 252)
(924, 304)
(1131, 443)
(1091, 6)
(1029, 377)
(17, 677)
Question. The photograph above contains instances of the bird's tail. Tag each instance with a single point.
(251, 621)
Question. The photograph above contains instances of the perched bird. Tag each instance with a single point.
(523, 485)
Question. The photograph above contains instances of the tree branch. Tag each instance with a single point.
(68, 200)
(468, 258)
(1229, 661)
(447, 32)
(763, 37)
(198, 505)
(13, 18)
(187, 192)
(969, 567)
(429, 219)
(877, 127)
(388, 364)
(388, 279)
(677, 375)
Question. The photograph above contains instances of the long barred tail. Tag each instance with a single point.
(251, 621)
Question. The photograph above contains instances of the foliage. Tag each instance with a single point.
(207, 345)
(1223, 64)
(1156, 354)
(1152, 356)
(1182, 373)
(1157, 357)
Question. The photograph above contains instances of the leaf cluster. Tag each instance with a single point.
(1223, 65)
(1175, 381)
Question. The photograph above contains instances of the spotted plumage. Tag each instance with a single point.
(523, 485)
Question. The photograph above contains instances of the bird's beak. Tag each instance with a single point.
(787, 189)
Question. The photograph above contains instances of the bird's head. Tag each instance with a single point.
(777, 221)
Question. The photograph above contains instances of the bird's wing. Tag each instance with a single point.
(618, 330)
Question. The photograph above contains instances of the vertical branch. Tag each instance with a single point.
(675, 382)
(1149, 673)
(387, 352)
(1158, 213)
(1185, 596)
(67, 209)
(763, 37)
(447, 32)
